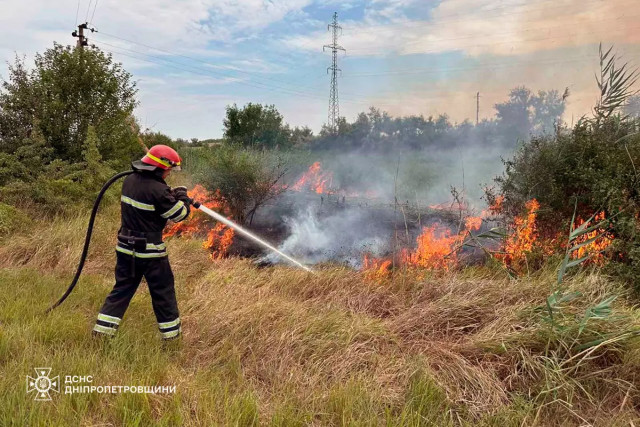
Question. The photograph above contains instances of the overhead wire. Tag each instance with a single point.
(77, 12)
(94, 12)
(471, 68)
(350, 95)
(186, 67)
(304, 88)
(408, 71)
(315, 95)
(291, 88)
(88, 8)
(208, 73)
(192, 58)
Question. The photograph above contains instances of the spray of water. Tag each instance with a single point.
(251, 236)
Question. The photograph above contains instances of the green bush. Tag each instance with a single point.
(244, 178)
(594, 164)
(590, 168)
(57, 186)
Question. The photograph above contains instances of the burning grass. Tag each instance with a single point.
(219, 237)
(280, 346)
(438, 247)
(315, 179)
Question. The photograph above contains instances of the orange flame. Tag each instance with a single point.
(376, 268)
(219, 238)
(435, 250)
(522, 240)
(473, 223)
(321, 182)
(596, 247)
(315, 179)
(494, 208)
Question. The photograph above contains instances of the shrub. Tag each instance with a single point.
(245, 179)
(593, 166)
(58, 186)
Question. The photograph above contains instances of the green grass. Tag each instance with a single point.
(276, 346)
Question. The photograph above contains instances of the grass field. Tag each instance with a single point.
(277, 346)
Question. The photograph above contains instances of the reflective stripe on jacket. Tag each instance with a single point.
(147, 203)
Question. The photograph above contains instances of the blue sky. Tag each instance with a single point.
(191, 58)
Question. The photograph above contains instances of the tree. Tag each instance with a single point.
(525, 113)
(548, 107)
(513, 114)
(67, 91)
(256, 126)
(301, 136)
(55, 186)
(245, 179)
(155, 138)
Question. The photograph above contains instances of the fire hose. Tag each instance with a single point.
(194, 203)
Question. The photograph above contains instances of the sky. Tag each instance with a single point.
(192, 58)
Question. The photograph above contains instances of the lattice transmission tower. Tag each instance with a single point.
(334, 105)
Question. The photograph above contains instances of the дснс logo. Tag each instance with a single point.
(42, 384)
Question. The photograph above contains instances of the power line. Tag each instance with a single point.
(334, 105)
(94, 11)
(529, 29)
(79, 33)
(86, 18)
(395, 72)
(209, 73)
(253, 74)
(77, 11)
(191, 68)
(473, 68)
(315, 95)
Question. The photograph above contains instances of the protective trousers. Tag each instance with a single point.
(129, 272)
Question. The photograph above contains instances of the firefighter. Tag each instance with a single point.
(147, 203)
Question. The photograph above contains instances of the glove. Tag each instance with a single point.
(180, 193)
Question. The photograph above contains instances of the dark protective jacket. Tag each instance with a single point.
(147, 203)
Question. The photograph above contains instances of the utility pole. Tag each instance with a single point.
(477, 107)
(334, 107)
(79, 33)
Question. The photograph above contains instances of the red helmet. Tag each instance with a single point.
(163, 157)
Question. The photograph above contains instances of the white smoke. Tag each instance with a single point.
(345, 235)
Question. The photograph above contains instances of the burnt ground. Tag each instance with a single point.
(401, 222)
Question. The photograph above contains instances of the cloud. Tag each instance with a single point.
(505, 28)
(241, 50)
(229, 18)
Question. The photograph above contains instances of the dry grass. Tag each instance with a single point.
(280, 346)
